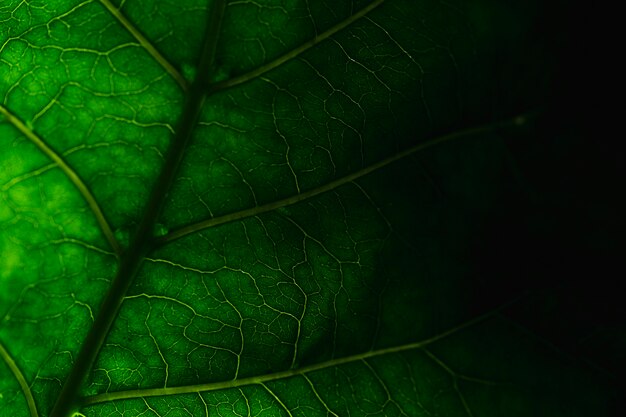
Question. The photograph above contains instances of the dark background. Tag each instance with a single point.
(559, 238)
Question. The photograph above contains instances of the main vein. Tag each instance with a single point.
(143, 238)
(257, 380)
(294, 53)
(70, 173)
(145, 43)
(254, 211)
(4, 354)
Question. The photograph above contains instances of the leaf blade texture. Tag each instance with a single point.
(274, 201)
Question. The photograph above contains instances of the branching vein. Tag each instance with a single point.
(4, 354)
(254, 211)
(145, 43)
(262, 379)
(294, 53)
(70, 173)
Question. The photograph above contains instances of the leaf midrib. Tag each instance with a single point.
(143, 239)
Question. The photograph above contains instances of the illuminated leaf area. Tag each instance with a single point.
(273, 208)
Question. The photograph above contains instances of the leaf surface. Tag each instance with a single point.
(263, 208)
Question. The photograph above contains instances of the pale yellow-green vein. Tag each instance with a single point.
(294, 53)
(262, 379)
(277, 399)
(70, 173)
(147, 45)
(254, 211)
(318, 396)
(28, 395)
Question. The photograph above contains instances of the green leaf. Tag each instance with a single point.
(267, 208)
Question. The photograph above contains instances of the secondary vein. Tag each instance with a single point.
(145, 43)
(6, 356)
(294, 53)
(260, 380)
(70, 173)
(254, 211)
